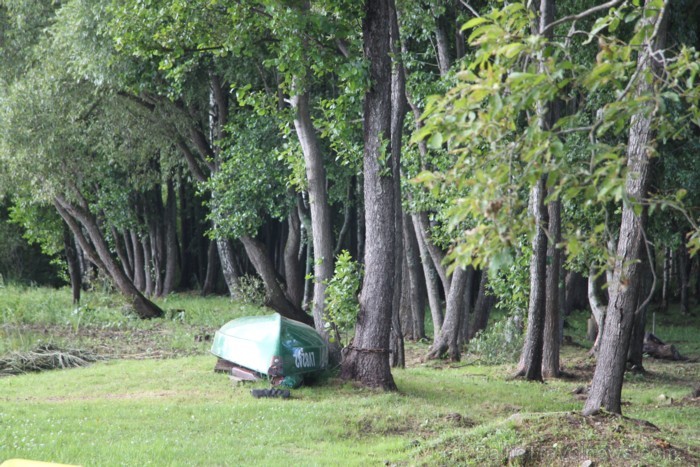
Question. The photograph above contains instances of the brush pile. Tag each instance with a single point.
(44, 357)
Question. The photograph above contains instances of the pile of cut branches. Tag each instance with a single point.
(44, 357)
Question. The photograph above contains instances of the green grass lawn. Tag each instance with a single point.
(177, 411)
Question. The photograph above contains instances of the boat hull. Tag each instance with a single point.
(271, 345)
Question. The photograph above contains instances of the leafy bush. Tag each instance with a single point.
(342, 305)
(251, 290)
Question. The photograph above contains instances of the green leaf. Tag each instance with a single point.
(435, 141)
(472, 23)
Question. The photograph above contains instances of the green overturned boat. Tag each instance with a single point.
(282, 349)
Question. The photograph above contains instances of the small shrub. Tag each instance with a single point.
(499, 343)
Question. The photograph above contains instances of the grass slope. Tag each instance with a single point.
(176, 411)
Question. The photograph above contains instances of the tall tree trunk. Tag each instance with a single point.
(187, 221)
(76, 279)
(143, 307)
(606, 388)
(211, 277)
(148, 266)
(139, 262)
(293, 268)
(416, 281)
(576, 297)
(469, 292)
(483, 305)
(367, 360)
(171, 246)
(530, 365)
(551, 342)
(398, 115)
(275, 297)
(318, 203)
(684, 275)
(635, 354)
(442, 40)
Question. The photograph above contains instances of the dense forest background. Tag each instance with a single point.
(366, 167)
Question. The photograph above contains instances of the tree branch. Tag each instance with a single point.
(581, 15)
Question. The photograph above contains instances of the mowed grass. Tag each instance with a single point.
(177, 411)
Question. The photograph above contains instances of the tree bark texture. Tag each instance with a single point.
(576, 297)
(227, 259)
(606, 387)
(416, 280)
(530, 365)
(139, 262)
(367, 360)
(398, 115)
(482, 306)
(635, 353)
(211, 277)
(552, 338)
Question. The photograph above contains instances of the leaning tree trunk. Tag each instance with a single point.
(275, 297)
(446, 341)
(76, 279)
(606, 388)
(597, 308)
(367, 359)
(143, 307)
(431, 279)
